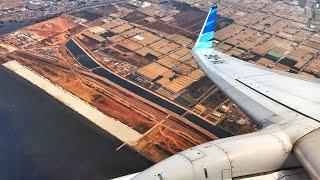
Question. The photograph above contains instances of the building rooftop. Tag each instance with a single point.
(301, 55)
(93, 36)
(154, 70)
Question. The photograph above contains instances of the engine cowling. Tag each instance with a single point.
(226, 158)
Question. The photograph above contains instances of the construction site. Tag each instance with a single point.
(132, 62)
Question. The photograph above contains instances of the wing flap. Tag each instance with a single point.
(285, 93)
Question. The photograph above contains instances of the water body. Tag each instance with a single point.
(7, 27)
(40, 138)
(86, 61)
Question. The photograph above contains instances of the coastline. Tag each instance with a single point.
(111, 125)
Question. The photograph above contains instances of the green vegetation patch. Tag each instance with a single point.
(185, 99)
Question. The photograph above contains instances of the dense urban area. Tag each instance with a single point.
(131, 59)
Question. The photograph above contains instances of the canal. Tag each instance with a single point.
(89, 63)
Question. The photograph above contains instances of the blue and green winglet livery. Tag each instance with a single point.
(205, 39)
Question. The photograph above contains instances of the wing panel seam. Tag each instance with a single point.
(276, 100)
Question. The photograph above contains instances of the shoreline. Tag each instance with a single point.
(111, 125)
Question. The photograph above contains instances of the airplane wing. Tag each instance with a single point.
(286, 105)
(267, 96)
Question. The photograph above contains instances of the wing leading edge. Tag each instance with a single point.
(267, 96)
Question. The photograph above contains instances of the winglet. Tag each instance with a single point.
(205, 39)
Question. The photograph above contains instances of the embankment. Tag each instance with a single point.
(111, 125)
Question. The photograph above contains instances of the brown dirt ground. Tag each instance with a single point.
(53, 26)
(69, 81)
(169, 138)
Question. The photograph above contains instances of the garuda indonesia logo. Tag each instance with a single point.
(215, 59)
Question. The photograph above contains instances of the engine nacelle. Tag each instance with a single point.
(226, 158)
